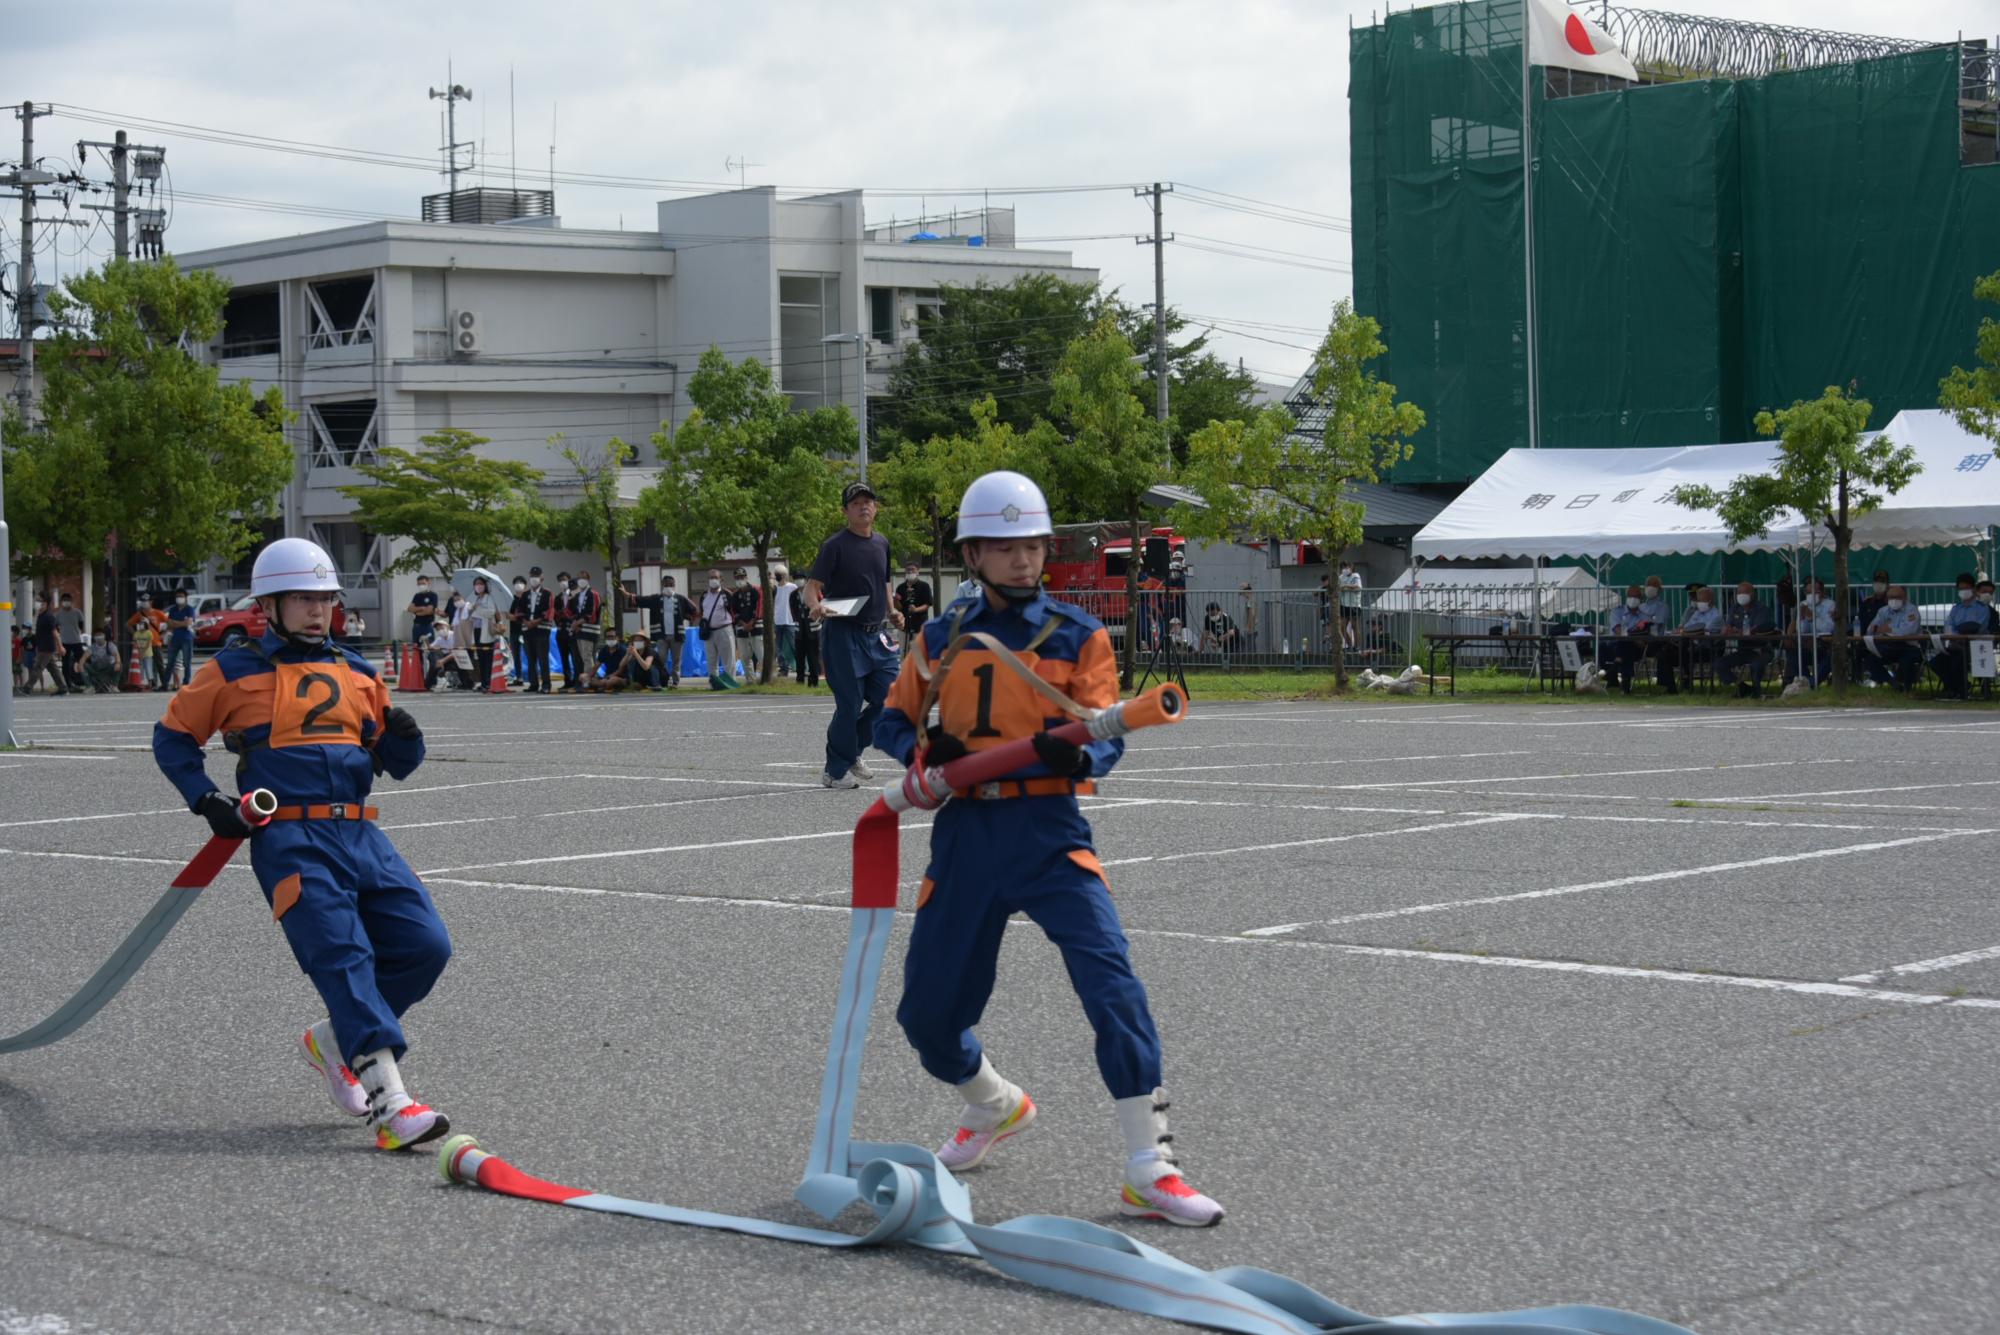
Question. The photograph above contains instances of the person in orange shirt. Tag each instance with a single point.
(997, 667)
(310, 720)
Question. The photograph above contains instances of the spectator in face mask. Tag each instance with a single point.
(1702, 623)
(1628, 631)
(563, 614)
(1968, 619)
(1814, 623)
(100, 669)
(423, 611)
(515, 657)
(1746, 660)
(746, 605)
(718, 633)
(784, 624)
(588, 606)
(1896, 633)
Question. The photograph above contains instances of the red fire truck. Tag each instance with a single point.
(1087, 565)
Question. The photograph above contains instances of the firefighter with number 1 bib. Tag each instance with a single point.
(311, 721)
(1006, 663)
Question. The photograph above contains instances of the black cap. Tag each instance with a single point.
(534, 570)
(853, 490)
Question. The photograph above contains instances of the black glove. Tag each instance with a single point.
(1064, 758)
(942, 749)
(224, 816)
(397, 720)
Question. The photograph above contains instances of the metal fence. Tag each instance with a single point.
(1390, 628)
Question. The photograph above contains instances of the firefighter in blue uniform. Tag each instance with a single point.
(996, 667)
(311, 721)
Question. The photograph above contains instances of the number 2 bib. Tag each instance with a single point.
(315, 704)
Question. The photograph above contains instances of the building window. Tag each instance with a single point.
(645, 546)
(357, 553)
(809, 310)
(340, 313)
(250, 323)
(882, 314)
(344, 433)
(1454, 139)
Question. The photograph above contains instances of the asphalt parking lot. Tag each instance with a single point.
(1466, 1007)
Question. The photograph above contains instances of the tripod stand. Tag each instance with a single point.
(1165, 662)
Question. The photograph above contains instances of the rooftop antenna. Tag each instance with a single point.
(739, 166)
(553, 108)
(453, 94)
(513, 142)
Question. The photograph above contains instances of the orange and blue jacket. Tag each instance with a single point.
(984, 704)
(304, 723)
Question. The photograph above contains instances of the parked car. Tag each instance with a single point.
(244, 620)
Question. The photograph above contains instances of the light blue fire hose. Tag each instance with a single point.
(916, 1200)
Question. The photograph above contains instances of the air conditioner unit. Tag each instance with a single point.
(465, 332)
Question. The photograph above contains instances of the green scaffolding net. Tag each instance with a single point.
(1704, 248)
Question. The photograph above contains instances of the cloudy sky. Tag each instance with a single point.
(925, 106)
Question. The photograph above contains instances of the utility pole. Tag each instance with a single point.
(123, 154)
(1159, 244)
(24, 178)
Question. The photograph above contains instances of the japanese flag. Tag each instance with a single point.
(1563, 39)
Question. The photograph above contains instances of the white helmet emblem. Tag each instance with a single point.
(321, 572)
(1011, 513)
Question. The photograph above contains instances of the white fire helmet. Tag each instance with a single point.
(293, 565)
(1003, 505)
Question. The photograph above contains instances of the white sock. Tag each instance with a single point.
(988, 1092)
(1144, 1125)
(328, 1045)
(384, 1083)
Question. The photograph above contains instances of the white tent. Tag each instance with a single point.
(1595, 503)
(1507, 589)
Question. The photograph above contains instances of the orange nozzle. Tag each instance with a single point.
(1163, 704)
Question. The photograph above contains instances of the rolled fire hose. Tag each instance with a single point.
(257, 806)
(916, 1201)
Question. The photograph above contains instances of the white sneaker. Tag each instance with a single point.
(341, 1086)
(844, 781)
(1155, 1190)
(978, 1133)
(859, 769)
(409, 1126)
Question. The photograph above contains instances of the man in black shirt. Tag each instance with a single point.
(1218, 631)
(423, 611)
(859, 658)
(536, 611)
(48, 649)
(669, 611)
(914, 600)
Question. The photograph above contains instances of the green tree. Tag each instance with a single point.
(1974, 396)
(1825, 472)
(141, 447)
(600, 519)
(1116, 450)
(1263, 477)
(982, 341)
(452, 506)
(746, 471)
(922, 483)
(1201, 387)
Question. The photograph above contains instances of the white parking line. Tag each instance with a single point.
(1795, 986)
(50, 755)
(1927, 966)
(1857, 792)
(1329, 839)
(1295, 764)
(1447, 785)
(1682, 873)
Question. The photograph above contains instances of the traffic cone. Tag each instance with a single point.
(411, 678)
(135, 675)
(498, 686)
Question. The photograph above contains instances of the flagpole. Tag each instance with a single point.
(1528, 233)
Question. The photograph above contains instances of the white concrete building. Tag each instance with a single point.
(519, 330)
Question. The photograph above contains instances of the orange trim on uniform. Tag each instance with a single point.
(200, 706)
(1046, 787)
(1094, 683)
(1087, 860)
(320, 811)
(283, 895)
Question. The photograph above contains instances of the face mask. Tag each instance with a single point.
(582, 584)
(1652, 592)
(1986, 598)
(1743, 600)
(1881, 586)
(714, 584)
(423, 586)
(1703, 605)
(536, 581)
(1895, 604)
(1965, 595)
(1632, 603)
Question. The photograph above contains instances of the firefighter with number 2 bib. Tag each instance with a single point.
(997, 666)
(311, 721)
